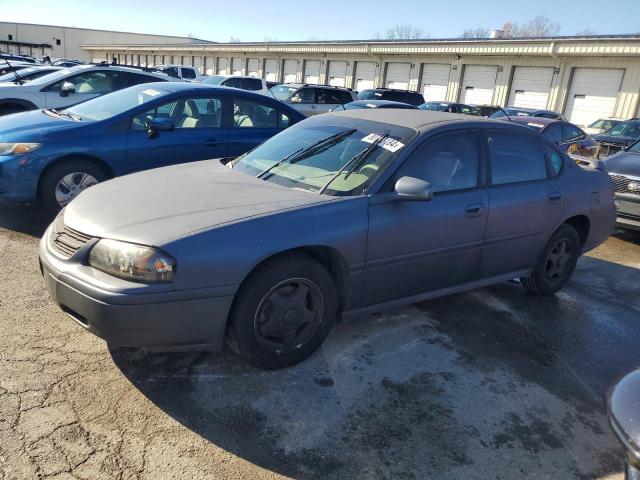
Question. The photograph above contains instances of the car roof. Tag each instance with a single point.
(383, 89)
(416, 119)
(378, 102)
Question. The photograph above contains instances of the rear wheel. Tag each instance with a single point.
(66, 180)
(283, 312)
(556, 264)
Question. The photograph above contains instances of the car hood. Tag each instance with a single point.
(156, 206)
(31, 125)
(623, 163)
(615, 139)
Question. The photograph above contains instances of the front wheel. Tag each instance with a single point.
(556, 264)
(66, 180)
(283, 312)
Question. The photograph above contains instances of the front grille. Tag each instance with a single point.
(67, 241)
(621, 183)
(606, 149)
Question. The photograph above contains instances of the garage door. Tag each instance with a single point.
(197, 63)
(237, 66)
(593, 94)
(365, 75)
(271, 70)
(253, 67)
(337, 73)
(435, 81)
(290, 73)
(398, 75)
(478, 84)
(312, 71)
(210, 65)
(530, 87)
(223, 66)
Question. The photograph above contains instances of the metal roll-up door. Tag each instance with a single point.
(210, 65)
(237, 66)
(435, 81)
(312, 71)
(337, 73)
(197, 63)
(530, 87)
(365, 76)
(253, 67)
(593, 94)
(478, 84)
(223, 66)
(290, 71)
(398, 75)
(271, 70)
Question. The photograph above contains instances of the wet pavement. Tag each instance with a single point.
(494, 383)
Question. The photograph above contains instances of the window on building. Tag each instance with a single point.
(58, 42)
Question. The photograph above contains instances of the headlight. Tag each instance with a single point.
(132, 262)
(17, 148)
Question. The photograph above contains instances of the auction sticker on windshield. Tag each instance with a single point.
(388, 143)
(151, 92)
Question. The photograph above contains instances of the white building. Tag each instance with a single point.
(583, 77)
(64, 42)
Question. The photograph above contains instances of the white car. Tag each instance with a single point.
(243, 82)
(183, 72)
(602, 125)
(72, 85)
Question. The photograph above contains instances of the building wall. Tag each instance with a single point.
(71, 38)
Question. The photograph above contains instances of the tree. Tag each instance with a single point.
(540, 26)
(403, 32)
(585, 32)
(480, 32)
(234, 40)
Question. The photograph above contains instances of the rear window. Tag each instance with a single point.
(405, 97)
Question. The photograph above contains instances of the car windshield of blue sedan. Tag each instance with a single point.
(340, 158)
(110, 105)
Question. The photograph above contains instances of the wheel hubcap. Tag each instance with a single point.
(71, 185)
(289, 315)
(558, 261)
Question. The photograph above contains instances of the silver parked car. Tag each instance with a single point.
(313, 99)
(340, 214)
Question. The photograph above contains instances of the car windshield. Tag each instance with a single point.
(334, 156)
(598, 124)
(111, 104)
(625, 129)
(635, 148)
(215, 79)
(283, 92)
(434, 106)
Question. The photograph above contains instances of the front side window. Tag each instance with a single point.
(91, 83)
(185, 113)
(515, 158)
(233, 83)
(139, 78)
(333, 156)
(252, 84)
(283, 92)
(304, 95)
(172, 72)
(448, 162)
(248, 113)
(188, 73)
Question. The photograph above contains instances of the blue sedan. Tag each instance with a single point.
(51, 156)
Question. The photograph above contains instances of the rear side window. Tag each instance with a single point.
(571, 132)
(137, 79)
(252, 84)
(515, 158)
(553, 132)
(172, 72)
(233, 82)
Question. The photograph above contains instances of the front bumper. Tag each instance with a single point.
(161, 320)
(628, 211)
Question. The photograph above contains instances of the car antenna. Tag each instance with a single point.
(13, 70)
(505, 112)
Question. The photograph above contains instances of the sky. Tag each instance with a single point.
(259, 20)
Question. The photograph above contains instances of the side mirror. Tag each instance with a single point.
(159, 124)
(624, 410)
(67, 88)
(410, 188)
(296, 99)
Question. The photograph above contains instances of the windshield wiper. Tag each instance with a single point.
(355, 161)
(305, 152)
(64, 113)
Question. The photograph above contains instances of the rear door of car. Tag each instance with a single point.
(525, 201)
(199, 133)
(420, 246)
(304, 100)
(251, 123)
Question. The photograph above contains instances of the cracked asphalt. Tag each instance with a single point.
(494, 383)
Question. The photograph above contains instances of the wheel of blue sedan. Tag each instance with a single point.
(63, 182)
(283, 312)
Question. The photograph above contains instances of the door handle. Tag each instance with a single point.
(313, 106)
(555, 196)
(211, 142)
(474, 209)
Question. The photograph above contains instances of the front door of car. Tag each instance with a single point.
(420, 246)
(87, 85)
(526, 202)
(198, 133)
(253, 122)
(304, 101)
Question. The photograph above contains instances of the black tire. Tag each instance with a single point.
(51, 178)
(257, 325)
(555, 265)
